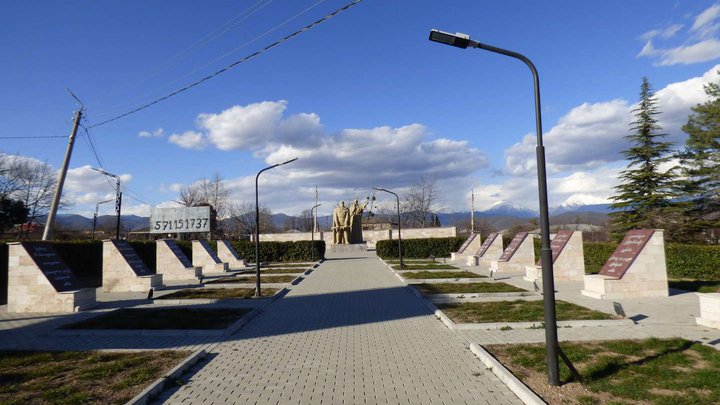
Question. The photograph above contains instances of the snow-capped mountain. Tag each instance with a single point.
(504, 208)
(582, 203)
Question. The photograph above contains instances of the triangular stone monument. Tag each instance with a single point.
(636, 269)
(568, 258)
(226, 253)
(40, 281)
(471, 244)
(124, 271)
(490, 250)
(204, 256)
(516, 256)
(172, 262)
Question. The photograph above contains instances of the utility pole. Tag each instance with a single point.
(314, 226)
(472, 210)
(47, 234)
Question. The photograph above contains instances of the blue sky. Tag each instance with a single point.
(363, 99)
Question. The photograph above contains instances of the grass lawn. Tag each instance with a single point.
(80, 377)
(651, 371)
(288, 265)
(696, 285)
(413, 266)
(251, 279)
(217, 293)
(516, 311)
(414, 261)
(164, 318)
(441, 274)
(292, 270)
(456, 288)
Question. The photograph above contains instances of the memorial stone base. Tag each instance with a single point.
(533, 273)
(709, 310)
(499, 267)
(342, 248)
(215, 268)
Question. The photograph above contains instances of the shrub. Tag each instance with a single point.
(419, 248)
(281, 251)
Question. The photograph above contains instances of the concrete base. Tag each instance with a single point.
(53, 302)
(709, 310)
(610, 288)
(180, 273)
(215, 268)
(137, 284)
(355, 247)
(510, 267)
(532, 273)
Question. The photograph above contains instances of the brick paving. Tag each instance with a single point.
(352, 333)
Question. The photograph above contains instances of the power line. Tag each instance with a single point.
(33, 137)
(92, 146)
(232, 65)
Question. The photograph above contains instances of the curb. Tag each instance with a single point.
(522, 391)
(159, 385)
(539, 325)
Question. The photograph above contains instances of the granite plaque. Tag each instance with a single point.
(210, 251)
(60, 276)
(131, 257)
(180, 220)
(486, 244)
(626, 253)
(467, 242)
(558, 244)
(179, 253)
(513, 246)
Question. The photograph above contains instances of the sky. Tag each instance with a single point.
(362, 99)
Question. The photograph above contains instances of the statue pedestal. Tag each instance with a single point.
(341, 248)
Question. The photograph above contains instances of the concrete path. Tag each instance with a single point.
(351, 333)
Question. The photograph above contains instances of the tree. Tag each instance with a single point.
(242, 218)
(210, 192)
(700, 161)
(419, 202)
(12, 212)
(644, 196)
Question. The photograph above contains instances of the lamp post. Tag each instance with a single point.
(118, 199)
(257, 226)
(97, 207)
(551, 342)
(312, 231)
(402, 265)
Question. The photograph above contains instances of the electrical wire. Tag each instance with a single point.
(33, 137)
(232, 65)
(88, 138)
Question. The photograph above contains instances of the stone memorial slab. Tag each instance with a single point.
(467, 243)
(471, 244)
(226, 253)
(124, 271)
(567, 256)
(40, 281)
(204, 256)
(709, 310)
(637, 269)
(490, 250)
(172, 262)
(519, 254)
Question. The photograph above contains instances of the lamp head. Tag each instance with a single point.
(458, 40)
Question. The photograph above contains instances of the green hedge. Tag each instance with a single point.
(419, 248)
(298, 251)
(3, 273)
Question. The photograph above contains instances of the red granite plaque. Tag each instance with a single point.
(131, 257)
(467, 242)
(558, 244)
(626, 253)
(513, 246)
(486, 244)
(60, 276)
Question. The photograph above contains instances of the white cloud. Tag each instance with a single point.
(189, 140)
(158, 133)
(664, 33)
(703, 51)
(704, 23)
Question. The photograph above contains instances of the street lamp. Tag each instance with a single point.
(257, 226)
(402, 265)
(312, 232)
(551, 342)
(118, 199)
(97, 207)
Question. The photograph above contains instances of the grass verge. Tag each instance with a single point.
(292, 270)
(164, 318)
(251, 279)
(83, 377)
(217, 293)
(702, 286)
(456, 288)
(651, 371)
(440, 274)
(433, 266)
(288, 265)
(516, 311)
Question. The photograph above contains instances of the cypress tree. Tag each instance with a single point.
(701, 164)
(644, 197)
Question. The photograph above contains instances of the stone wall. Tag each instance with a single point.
(369, 236)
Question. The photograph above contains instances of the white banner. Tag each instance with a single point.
(180, 220)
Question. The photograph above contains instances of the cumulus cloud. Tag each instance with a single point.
(189, 140)
(158, 133)
(592, 135)
(700, 45)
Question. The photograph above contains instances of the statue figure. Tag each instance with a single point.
(341, 224)
(356, 211)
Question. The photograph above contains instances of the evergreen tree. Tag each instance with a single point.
(701, 164)
(643, 198)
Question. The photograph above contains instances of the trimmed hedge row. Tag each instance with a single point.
(297, 251)
(419, 248)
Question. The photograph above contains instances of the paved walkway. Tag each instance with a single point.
(351, 332)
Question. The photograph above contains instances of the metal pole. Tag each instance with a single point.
(472, 211)
(47, 234)
(118, 206)
(402, 265)
(312, 231)
(94, 222)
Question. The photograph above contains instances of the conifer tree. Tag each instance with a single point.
(701, 164)
(644, 196)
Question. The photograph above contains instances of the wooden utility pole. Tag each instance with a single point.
(47, 234)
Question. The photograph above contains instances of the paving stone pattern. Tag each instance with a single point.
(351, 333)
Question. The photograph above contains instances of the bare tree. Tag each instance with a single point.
(214, 193)
(420, 201)
(190, 196)
(242, 219)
